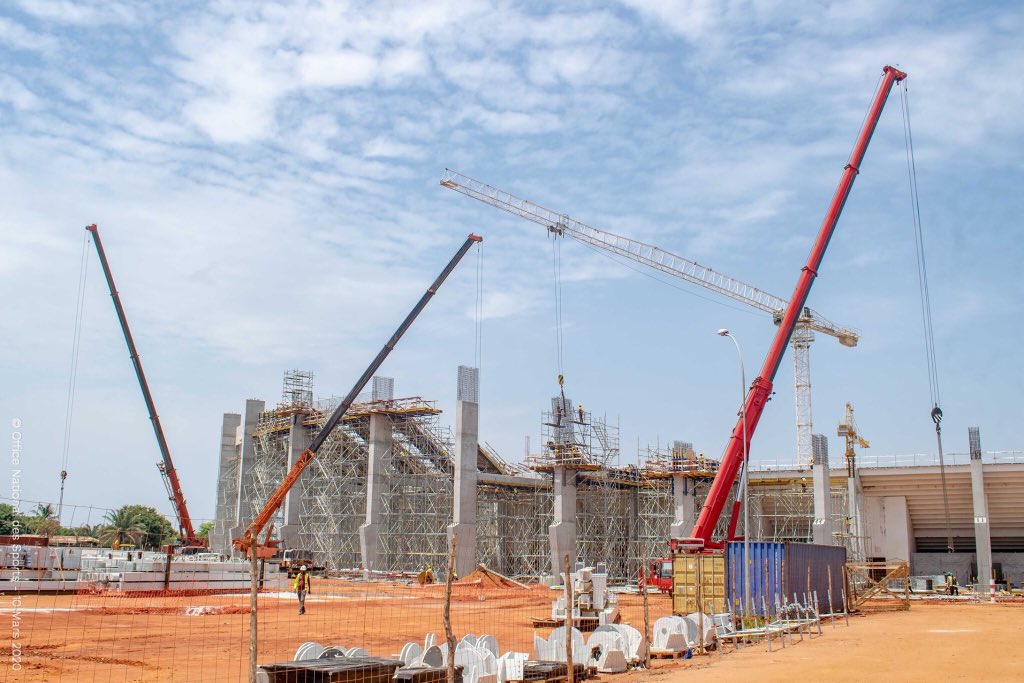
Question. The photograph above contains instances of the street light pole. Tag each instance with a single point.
(746, 475)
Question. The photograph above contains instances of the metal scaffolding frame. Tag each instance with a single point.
(512, 528)
(785, 512)
(333, 504)
(418, 492)
(623, 514)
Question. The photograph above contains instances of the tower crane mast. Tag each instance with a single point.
(683, 268)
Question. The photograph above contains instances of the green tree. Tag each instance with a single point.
(158, 529)
(44, 510)
(7, 516)
(122, 526)
(43, 520)
(204, 530)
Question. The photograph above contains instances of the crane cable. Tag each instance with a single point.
(556, 262)
(478, 342)
(926, 305)
(76, 345)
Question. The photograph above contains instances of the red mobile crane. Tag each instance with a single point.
(166, 465)
(251, 536)
(761, 388)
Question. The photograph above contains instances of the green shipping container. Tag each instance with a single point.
(698, 580)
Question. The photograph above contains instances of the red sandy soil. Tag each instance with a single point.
(115, 638)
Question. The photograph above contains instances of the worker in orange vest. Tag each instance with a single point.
(302, 586)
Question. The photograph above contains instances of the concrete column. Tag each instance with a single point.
(855, 511)
(298, 441)
(243, 510)
(224, 512)
(381, 438)
(821, 527)
(463, 527)
(562, 533)
(684, 500)
(982, 538)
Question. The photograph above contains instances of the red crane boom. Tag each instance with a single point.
(166, 465)
(761, 388)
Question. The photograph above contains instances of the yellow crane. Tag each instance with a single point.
(848, 430)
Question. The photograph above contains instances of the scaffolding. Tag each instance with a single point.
(225, 516)
(623, 514)
(654, 521)
(573, 437)
(333, 503)
(418, 492)
(512, 528)
(784, 511)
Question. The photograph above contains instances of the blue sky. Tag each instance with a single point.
(265, 178)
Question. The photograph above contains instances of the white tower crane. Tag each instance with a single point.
(683, 268)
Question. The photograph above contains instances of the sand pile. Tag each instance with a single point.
(488, 579)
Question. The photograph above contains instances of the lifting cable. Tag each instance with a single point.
(478, 342)
(926, 305)
(556, 261)
(76, 344)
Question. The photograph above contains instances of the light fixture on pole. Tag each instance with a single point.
(745, 480)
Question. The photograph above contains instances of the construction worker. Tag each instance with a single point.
(302, 586)
(579, 411)
(951, 586)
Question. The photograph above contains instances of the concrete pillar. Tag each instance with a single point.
(855, 512)
(243, 510)
(224, 512)
(982, 538)
(684, 503)
(562, 533)
(821, 527)
(298, 441)
(463, 527)
(381, 439)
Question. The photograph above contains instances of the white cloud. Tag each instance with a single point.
(17, 36)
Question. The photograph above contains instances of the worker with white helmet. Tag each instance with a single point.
(302, 586)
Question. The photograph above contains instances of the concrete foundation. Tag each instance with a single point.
(381, 439)
(562, 533)
(298, 441)
(463, 527)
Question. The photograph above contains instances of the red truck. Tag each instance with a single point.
(661, 575)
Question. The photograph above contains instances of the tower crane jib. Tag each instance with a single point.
(560, 224)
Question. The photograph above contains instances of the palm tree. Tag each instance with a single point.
(44, 511)
(121, 526)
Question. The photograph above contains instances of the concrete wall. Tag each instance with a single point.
(887, 526)
(1011, 565)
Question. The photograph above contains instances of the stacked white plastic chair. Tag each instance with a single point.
(552, 648)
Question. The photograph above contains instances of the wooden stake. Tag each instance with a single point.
(253, 593)
(647, 619)
(570, 674)
(447, 613)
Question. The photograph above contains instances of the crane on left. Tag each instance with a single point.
(190, 542)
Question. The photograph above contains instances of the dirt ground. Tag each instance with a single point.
(205, 638)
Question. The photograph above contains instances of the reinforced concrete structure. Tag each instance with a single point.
(391, 488)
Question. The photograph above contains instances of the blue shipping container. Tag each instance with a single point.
(786, 569)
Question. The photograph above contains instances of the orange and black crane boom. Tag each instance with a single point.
(276, 499)
(761, 388)
(166, 465)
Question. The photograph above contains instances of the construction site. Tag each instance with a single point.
(372, 537)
